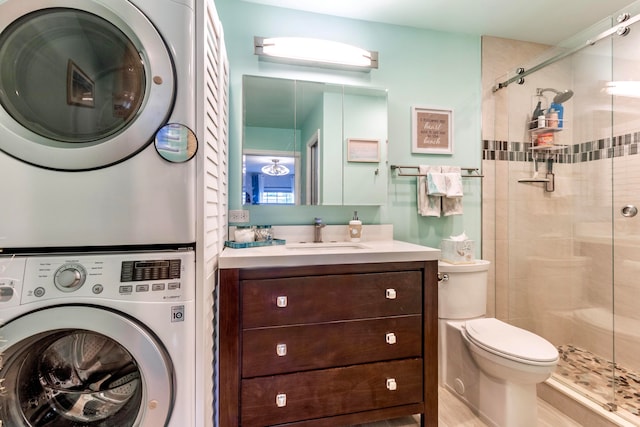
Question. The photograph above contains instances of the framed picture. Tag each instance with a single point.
(80, 88)
(363, 150)
(431, 130)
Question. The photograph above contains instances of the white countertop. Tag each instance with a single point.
(295, 254)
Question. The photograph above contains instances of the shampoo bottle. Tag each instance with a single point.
(560, 110)
(355, 228)
(537, 112)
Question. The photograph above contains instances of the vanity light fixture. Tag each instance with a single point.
(321, 53)
(275, 168)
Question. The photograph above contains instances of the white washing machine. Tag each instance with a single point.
(97, 107)
(98, 340)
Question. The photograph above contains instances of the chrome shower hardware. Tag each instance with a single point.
(561, 96)
(629, 211)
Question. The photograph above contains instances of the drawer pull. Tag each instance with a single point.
(390, 338)
(392, 385)
(391, 294)
(281, 350)
(282, 301)
(281, 400)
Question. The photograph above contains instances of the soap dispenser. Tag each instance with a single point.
(355, 228)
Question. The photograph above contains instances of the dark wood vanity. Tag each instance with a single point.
(328, 345)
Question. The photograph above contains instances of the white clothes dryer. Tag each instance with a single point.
(98, 340)
(97, 104)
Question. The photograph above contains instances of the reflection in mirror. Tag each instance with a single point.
(306, 123)
(269, 178)
(176, 143)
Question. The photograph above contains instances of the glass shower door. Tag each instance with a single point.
(624, 93)
(567, 257)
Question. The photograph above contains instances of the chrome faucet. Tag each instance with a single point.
(317, 230)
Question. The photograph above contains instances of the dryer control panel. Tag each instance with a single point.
(146, 277)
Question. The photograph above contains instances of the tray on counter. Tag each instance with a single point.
(240, 245)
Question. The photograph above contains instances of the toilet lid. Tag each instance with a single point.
(512, 342)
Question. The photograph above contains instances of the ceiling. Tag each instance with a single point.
(540, 21)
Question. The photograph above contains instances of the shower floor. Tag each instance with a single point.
(594, 376)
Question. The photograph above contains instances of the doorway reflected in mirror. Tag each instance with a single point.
(269, 179)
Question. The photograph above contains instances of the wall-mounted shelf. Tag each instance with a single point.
(549, 181)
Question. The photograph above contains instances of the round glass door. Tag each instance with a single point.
(112, 372)
(96, 95)
(81, 87)
(70, 378)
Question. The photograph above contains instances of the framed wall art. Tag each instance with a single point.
(363, 150)
(431, 130)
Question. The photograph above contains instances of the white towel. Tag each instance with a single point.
(436, 184)
(453, 184)
(452, 202)
(427, 205)
(452, 206)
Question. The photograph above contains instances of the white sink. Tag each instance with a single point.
(326, 245)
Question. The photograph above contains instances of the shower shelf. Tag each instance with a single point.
(549, 182)
(554, 129)
(549, 147)
(536, 132)
(559, 126)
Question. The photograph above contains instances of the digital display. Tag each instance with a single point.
(136, 271)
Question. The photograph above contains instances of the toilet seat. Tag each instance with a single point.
(510, 342)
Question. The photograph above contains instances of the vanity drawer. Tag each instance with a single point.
(275, 350)
(314, 394)
(317, 299)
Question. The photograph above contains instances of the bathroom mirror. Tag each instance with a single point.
(296, 143)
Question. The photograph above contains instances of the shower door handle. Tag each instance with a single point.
(629, 211)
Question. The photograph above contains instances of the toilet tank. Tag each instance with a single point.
(462, 293)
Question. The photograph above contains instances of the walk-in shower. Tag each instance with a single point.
(568, 260)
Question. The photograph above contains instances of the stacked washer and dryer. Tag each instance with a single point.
(99, 220)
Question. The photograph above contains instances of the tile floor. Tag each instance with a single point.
(453, 413)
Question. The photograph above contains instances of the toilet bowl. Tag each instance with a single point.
(490, 365)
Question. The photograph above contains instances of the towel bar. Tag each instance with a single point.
(473, 172)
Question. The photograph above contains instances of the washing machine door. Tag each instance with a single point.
(84, 84)
(70, 366)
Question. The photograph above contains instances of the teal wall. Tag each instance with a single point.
(418, 67)
(259, 138)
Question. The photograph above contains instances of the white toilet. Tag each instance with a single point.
(492, 366)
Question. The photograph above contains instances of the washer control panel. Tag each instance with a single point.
(11, 278)
(140, 276)
(69, 277)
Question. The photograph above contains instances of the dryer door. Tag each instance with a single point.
(83, 84)
(70, 366)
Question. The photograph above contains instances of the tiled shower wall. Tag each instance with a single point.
(564, 261)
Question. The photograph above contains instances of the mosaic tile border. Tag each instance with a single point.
(607, 148)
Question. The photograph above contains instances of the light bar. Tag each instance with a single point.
(321, 53)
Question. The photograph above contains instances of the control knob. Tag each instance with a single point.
(69, 277)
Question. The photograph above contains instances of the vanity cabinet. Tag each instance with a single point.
(328, 345)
